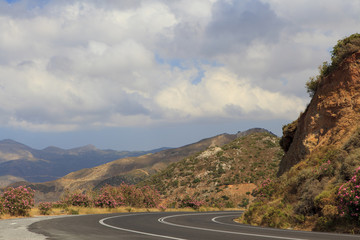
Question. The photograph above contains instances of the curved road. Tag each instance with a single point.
(168, 225)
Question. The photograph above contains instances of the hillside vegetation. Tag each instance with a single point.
(129, 170)
(221, 176)
(318, 187)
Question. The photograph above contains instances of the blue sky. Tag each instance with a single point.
(138, 74)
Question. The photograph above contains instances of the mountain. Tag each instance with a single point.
(18, 161)
(318, 180)
(11, 150)
(222, 175)
(130, 170)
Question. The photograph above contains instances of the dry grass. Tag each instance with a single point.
(85, 211)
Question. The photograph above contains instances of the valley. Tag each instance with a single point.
(19, 162)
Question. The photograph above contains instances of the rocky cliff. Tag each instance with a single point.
(317, 187)
(331, 117)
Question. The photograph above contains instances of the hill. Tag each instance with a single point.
(130, 170)
(18, 161)
(318, 183)
(222, 176)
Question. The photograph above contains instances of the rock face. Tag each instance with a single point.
(331, 117)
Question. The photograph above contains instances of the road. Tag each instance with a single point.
(167, 225)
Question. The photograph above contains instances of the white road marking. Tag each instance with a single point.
(162, 220)
(102, 222)
(281, 230)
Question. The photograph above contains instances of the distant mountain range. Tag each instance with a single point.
(19, 162)
(130, 170)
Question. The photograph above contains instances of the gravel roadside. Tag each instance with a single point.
(17, 229)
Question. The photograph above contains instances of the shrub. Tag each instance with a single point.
(77, 199)
(276, 217)
(344, 48)
(330, 211)
(325, 169)
(349, 197)
(45, 208)
(187, 201)
(244, 202)
(132, 195)
(265, 191)
(60, 204)
(18, 201)
(308, 192)
(1, 206)
(353, 142)
(151, 197)
(341, 50)
(109, 197)
(127, 195)
(348, 165)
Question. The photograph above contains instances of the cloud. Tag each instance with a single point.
(223, 94)
(69, 65)
(235, 24)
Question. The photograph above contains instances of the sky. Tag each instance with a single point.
(145, 74)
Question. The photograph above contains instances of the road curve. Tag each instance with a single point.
(168, 225)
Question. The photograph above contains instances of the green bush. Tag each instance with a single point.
(275, 217)
(312, 85)
(244, 202)
(344, 48)
(348, 165)
(341, 50)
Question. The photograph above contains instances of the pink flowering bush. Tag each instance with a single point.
(2, 209)
(127, 195)
(349, 196)
(325, 169)
(17, 201)
(265, 191)
(132, 195)
(109, 197)
(77, 199)
(112, 197)
(139, 196)
(151, 197)
(60, 204)
(45, 208)
(187, 201)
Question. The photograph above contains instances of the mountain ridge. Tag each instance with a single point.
(129, 170)
(21, 161)
(222, 176)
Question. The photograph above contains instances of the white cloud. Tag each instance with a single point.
(78, 64)
(223, 94)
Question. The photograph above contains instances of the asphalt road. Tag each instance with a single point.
(168, 225)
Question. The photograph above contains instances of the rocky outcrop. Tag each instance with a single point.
(331, 117)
